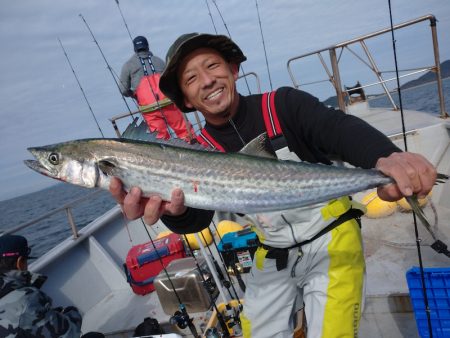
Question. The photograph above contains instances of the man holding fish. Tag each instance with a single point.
(309, 255)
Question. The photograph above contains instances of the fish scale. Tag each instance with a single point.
(232, 182)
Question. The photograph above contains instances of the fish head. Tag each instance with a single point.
(66, 163)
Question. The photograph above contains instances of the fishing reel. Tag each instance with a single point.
(231, 316)
(180, 319)
(209, 284)
(212, 332)
(238, 269)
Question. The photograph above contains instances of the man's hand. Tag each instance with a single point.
(135, 206)
(412, 173)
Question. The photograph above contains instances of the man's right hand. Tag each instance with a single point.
(134, 205)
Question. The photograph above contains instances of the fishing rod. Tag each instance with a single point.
(212, 300)
(210, 15)
(264, 44)
(416, 231)
(229, 35)
(233, 314)
(229, 281)
(220, 276)
(230, 313)
(107, 64)
(123, 18)
(180, 318)
(81, 88)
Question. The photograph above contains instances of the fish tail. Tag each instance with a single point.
(414, 203)
(441, 178)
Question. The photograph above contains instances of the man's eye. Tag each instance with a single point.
(190, 79)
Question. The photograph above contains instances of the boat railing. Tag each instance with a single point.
(199, 120)
(253, 74)
(67, 208)
(196, 125)
(335, 54)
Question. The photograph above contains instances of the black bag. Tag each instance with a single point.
(148, 326)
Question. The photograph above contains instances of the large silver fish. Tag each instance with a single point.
(234, 182)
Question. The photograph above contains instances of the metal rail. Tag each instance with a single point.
(258, 83)
(197, 125)
(67, 208)
(334, 77)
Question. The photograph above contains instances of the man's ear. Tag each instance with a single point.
(22, 263)
(187, 103)
(235, 70)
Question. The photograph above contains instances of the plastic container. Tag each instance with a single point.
(143, 263)
(437, 282)
(196, 291)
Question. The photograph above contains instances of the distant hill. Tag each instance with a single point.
(331, 101)
(427, 77)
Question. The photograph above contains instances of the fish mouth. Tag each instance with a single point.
(37, 166)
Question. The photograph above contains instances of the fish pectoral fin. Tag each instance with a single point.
(441, 178)
(108, 167)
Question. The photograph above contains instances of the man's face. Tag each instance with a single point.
(208, 84)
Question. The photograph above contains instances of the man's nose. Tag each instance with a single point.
(206, 79)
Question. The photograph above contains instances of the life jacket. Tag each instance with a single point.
(147, 92)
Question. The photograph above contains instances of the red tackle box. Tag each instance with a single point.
(143, 261)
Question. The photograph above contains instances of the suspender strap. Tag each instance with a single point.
(144, 67)
(270, 115)
(281, 254)
(271, 121)
(205, 138)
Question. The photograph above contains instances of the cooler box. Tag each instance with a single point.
(143, 264)
(185, 276)
(437, 282)
(239, 247)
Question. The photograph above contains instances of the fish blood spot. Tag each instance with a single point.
(195, 185)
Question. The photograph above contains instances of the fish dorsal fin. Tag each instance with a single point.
(141, 133)
(260, 146)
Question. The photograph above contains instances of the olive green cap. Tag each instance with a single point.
(182, 46)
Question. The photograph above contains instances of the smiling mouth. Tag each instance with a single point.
(214, 94)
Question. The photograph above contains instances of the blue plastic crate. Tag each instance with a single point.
(437, 282)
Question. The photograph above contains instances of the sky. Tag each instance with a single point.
(42, 104)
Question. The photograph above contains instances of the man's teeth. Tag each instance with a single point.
(214, 94)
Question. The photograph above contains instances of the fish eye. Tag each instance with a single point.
(53, 158)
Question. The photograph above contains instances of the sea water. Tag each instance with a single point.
(45, 234)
